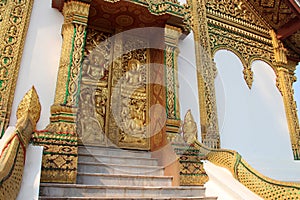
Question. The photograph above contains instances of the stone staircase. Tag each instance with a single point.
(110, 173)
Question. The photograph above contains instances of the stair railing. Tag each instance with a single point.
(263, 186)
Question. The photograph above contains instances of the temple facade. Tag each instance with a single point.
(184, 86)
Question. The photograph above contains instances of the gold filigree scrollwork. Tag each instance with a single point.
(247, 49)
(74, 71)
(285, 79)
(170, 83)
(206, 72)
(285, 82)
(60, 136)
(14, 21)
(279, 50)
(172, 35)
(236, 26)
(73, 31)
(238, 12)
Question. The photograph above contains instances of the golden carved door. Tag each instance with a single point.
(113, 105)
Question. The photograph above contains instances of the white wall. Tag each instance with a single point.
(253, 122)
(187, 77)
(40, 59)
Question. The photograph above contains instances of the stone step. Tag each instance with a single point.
(127, 198)
(105, 168)
(121, 179)
(117, 192)
(124, 160)
(113, 151)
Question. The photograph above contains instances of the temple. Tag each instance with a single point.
(149, 99)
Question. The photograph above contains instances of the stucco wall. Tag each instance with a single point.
(187, 77)
(40, 59)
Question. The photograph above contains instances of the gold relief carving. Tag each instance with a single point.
(236, 26)
(246, 49)
(189, 128)
(193, 180)
(172, 35)
(190, 164)
(238, 12)
(76, 12)
(133, 99)
(60, 136)
(116, 74)
(285, 82)
(279, 50)
(74, 71)
(14, 21)
(73, 31)
(30, 104)
(206, 72)
(94, 94)
(12, 157)
(67, 34)
(170, 83)
(285, 79)
(90, 124)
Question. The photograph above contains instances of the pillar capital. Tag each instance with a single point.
(76, 12)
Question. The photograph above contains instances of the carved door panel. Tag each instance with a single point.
(129, 105)
(94, 89)
(113, 106)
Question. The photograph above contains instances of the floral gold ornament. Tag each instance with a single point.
(60, 137)
(14, 22)
(206, 73)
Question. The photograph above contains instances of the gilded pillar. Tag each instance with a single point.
(14, 22)
(285, 79)
(206, 73)
(60, 136)
(172, 35)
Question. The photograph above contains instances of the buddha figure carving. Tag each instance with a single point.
(133, 76)
(90, 127)
(94, 67)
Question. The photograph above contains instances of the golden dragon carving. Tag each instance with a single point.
(12, 157)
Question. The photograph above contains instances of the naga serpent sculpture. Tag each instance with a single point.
(12, 157)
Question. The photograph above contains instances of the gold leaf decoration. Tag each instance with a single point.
(30, 104)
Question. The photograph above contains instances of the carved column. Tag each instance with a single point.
(285, 79)
(206, 73)
(172, 35)
(60, 136)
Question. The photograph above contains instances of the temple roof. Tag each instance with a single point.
(284, 17)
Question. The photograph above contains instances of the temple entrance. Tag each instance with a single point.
(113, 103)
